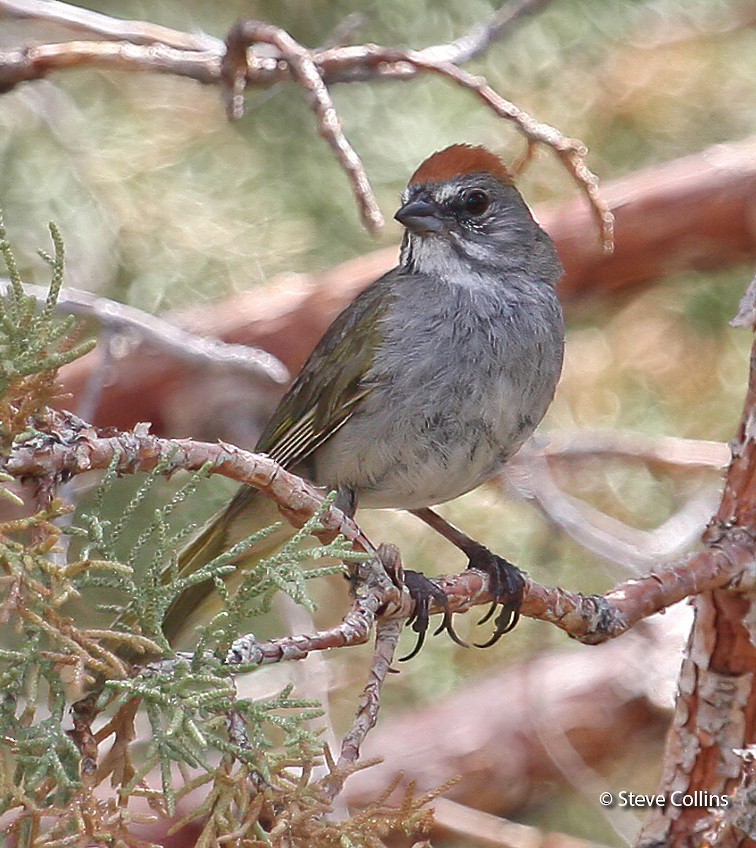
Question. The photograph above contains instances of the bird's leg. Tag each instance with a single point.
(507, 583)
(421, 589)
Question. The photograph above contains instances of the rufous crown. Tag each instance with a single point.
(458, 160)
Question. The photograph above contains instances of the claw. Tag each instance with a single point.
(418, 645)
(423, 591)
(491, 611)
(506, 620)
(447, 625)
(507, 586)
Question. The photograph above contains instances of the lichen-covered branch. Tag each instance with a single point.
(74, 448)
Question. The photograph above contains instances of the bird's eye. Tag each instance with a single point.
(476, 202)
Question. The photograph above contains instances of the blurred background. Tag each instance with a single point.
(165, 205)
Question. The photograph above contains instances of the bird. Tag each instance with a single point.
(424, 386)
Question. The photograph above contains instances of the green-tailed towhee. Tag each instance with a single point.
(427, 383)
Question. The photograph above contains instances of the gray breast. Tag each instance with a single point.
(463, 377)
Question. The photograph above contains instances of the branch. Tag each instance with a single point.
(670, 453)
(306, 73)
(386, 639)
(475, 42)
(374, 588)
(235, 68)
(74, 448)
(161, 334)
(94, 23)
(600, 533)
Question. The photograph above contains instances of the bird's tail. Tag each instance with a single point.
(248, 513)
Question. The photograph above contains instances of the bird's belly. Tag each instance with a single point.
(424, 458)
(451, 401)
(412, 487)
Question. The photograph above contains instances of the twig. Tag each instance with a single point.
(480, 37)
(600, 533)
(728, 561)
(36, 61)
(374, 590)
(304, 70)
(386, 639)
(315, 70)
(670, 452)
(162, 334)
(312, 680)
(94, 23)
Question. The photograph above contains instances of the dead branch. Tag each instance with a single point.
(667, 453)
(468, 46)
(305, 72)
(105, 26)
(693, 213)
(234, 68)
(600, 533)
(387, 634)
(162, 335)
(569, 151)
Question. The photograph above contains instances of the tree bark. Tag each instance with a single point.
(715, 716)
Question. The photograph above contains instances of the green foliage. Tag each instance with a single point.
(33, 343)
(175, 725)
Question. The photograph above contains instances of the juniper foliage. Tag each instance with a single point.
(86, 734)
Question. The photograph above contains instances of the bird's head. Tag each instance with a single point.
(462, 211)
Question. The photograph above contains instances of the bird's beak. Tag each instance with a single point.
(421, 216)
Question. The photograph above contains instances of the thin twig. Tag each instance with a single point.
(386, 639)
(481, 36)
(315, 70)
(602, 534)
(306, 73)
(94, 23)
(669, 452)
(374, 591)
(162, 334)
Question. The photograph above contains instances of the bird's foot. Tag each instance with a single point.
(507, 588)
(424, 591)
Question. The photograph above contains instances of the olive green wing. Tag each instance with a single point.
(331, 385)
(328, 389)
(323, 397)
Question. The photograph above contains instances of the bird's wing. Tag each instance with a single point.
(332, 383)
